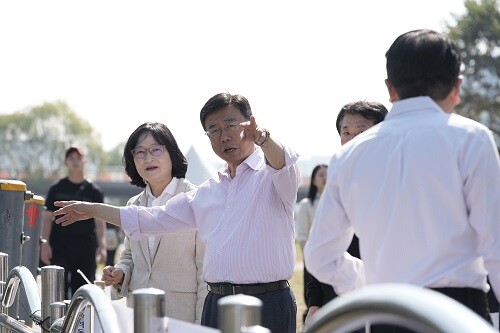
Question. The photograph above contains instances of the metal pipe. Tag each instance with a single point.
(9, 324)
(149, 310)
(52, 285)
(92, 294)
(4, 266)
(57, 325)
(408, 306)
(2, 291)
(21, 274)
(236, 311)
(4, 271)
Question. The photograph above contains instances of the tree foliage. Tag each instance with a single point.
(33, 142)
(113, 157)
(477, 33)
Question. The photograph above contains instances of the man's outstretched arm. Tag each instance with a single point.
(73, 211)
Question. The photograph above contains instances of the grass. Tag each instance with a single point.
(297, 285)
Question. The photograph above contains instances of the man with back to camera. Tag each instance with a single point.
(421, 189)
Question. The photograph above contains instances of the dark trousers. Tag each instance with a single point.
(110, 260)
(474, 299)
(279, 310)
(83, 260)
(307, 279)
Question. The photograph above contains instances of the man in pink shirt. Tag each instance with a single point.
(244, 215)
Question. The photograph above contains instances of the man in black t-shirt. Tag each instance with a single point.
(78, 246)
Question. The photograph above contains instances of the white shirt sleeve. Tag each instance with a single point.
(329, 238)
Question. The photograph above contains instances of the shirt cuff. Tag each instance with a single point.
(130, 221)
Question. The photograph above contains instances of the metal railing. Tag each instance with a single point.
(238, 313)
(411, 307)
(89, 295)
(22, 275)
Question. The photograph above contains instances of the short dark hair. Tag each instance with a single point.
(423, 63)
(222, 100)
(161, 133)
(369, 109)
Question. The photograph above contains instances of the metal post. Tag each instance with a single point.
(57, 310)
(12, 217)
(52, 278)
(149, 310)
(3, 310)
(4, 272)
(255, 329)
(33, 217)
(236, 311)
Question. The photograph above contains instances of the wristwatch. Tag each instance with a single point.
(263, 138)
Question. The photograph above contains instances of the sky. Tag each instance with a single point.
(118, 64)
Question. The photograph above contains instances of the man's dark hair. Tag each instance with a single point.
(163, 136)
(423, 63)
(370, 110)
(222, 100)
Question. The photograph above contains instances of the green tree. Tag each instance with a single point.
(33, 142)
(477, 33)
(113, 157)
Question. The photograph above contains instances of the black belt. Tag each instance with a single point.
(247, 289)
(475, 299)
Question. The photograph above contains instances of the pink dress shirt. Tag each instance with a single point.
(247, 221)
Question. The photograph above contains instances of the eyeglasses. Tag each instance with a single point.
(154, 150)
(231, 128)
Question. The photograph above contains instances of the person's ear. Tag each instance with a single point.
(393, 95)
(455, 91)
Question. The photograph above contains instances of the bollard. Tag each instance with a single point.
(236, 311)
(57, 310)
(30, 249)
(12, 194)
(149, 310)
(33, 216)
(52, 285)
(255, 329)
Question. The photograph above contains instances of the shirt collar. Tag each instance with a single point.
(168, 190)
(413, 104)
(255, 161)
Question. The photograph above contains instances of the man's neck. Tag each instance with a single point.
(76, 178)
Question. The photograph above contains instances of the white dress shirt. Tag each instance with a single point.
(168, 193)
(246, 222)
(422, 192)
(304, 218)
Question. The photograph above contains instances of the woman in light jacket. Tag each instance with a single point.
(171, 262)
